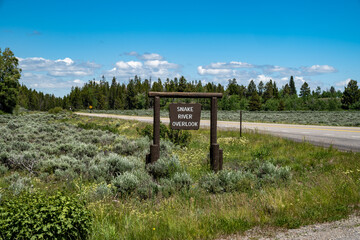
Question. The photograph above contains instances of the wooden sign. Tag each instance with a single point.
(185, 116)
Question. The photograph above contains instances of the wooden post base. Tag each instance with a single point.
(216, 157)
(154, 154)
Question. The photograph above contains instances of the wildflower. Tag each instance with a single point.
(153, 229)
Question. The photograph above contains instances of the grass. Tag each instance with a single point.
(324, 187)
(328, 118)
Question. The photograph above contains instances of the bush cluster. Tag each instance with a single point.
(55, 110)
(165, 177)
(57, 151)
(255, 174)
(37, 216)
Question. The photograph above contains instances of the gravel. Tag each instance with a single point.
(347, 229)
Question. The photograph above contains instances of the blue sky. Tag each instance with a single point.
(66, 43)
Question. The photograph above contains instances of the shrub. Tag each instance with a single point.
(64, 167)
(124, 146)
(166, 187)
(147, 187)
(13, 125)
(182, 181)
(18, 184)
(106, 167)
(228, 181)
(27, 160)
(116, 164)
(126, 183)
(236, 180)
(82, 149)
(179, 137)
(211, 183)
(55, 110)
(164, 167)
(267, 172)
(101, 191)
(38, 216)
(3, 169)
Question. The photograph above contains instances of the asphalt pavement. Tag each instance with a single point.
(342, 138)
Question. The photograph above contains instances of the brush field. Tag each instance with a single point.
(96, 167)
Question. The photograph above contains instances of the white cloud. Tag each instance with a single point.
(343, 83)
(317, 69)
(232, 64)
(262, 78)
(213, 71)
(222, 71)
(145, 68)
(67, 61)
(78, 81)
(161, 64)
(150, 56)
(57, 68)
(128, 65)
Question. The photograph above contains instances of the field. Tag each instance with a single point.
(328, 118)
(98, 165)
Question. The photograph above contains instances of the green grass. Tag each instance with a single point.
(325, 186)
(329, 118)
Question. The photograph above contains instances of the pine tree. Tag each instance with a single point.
(251, 88)
(275, 91)
(130, 95)
(261, 88)
(269, 90)
(305, 91)
(292, 86)
(332, 91)
(112, 93)
(9, 80)
(351, 94)
(255, 102)
(286, 90)
(182, 84)
(233, 87)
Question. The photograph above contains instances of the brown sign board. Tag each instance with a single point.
(185, 116)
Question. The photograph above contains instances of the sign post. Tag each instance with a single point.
(186, 117)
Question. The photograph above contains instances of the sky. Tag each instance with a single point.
(61, 44)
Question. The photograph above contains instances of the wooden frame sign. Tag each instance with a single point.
(185, 116)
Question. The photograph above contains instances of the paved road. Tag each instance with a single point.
(342, 138)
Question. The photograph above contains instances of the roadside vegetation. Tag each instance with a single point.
(328, 118)
(50, 163)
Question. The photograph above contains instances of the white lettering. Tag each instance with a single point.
(184, 116)
(184, 124)
(185, 109)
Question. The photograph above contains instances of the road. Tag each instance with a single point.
(342, 138)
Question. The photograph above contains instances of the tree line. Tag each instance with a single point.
(103, 95)
(266, 96)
